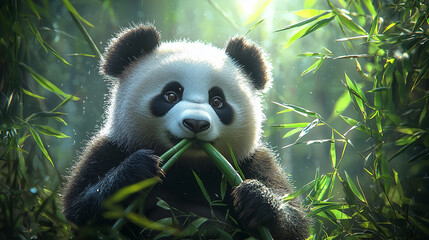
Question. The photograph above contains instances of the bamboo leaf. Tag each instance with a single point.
(356, 124)
(37, 34)
(378, 123)
(370, 7)
(304, 112)
(291, 125)
(423, 72)
(308, 128)
(49, 131)
(63, 103)
(302, 190)
(361, 94)
(350, 24)
(374, 26)
(333, 152)
(312, 54)
(314, 67)
(60, 120)
(353, 187)
(303, 22)
(324, 208)
(254, 26)
(192, 228)
(390, 26)
(82, 54)
(38, 115)
(39, 143)
(203, 189)
(144, 222)
(73, 11)
(323, 186)
(379, 89)
(358, 95)
(32, 94)
(234, 160)
(292, 132)
(422, 155)
(56, 54)
(317, 141)
(296, 36)
(359, 69)
(318, 25)
(33, 8)
(341, 104)
(86, 35)
(307, 30)
(126, 191)
(420, 21)
(404, 148)
(46, 83)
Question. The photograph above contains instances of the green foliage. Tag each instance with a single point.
(28, 177)
(390, 102)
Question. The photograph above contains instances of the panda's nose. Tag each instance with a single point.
(196, 126)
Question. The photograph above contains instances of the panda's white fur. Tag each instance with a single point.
(197, 67)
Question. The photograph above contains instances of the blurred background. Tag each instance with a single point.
(45, 39)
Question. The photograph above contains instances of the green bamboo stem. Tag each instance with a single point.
(232, 176)
(171, 156)
(224, 166)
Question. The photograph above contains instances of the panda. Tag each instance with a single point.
(163, 92)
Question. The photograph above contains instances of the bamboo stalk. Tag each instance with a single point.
(233, 177)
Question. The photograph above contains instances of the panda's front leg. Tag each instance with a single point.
(82, 207)
(257, 205)
(140, 165)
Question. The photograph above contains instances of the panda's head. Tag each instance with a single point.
(164, 92)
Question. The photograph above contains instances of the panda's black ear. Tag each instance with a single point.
(128, 46)
(252, 59)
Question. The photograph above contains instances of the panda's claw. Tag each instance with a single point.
(142, 164)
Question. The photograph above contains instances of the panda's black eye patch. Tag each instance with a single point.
(171, 94)
(218, 102)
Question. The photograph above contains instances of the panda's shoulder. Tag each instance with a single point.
(100, 154)
(103, 146)
(263, 165)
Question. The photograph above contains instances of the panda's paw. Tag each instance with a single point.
(142, 164)
(254, 203)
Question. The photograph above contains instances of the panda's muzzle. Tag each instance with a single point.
(196, 126)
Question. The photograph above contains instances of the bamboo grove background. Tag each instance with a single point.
(347, 114)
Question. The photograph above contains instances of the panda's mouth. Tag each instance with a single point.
(175, 140)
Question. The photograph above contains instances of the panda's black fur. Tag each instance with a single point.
(110, 162)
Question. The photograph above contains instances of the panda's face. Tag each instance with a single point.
(186, 90)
